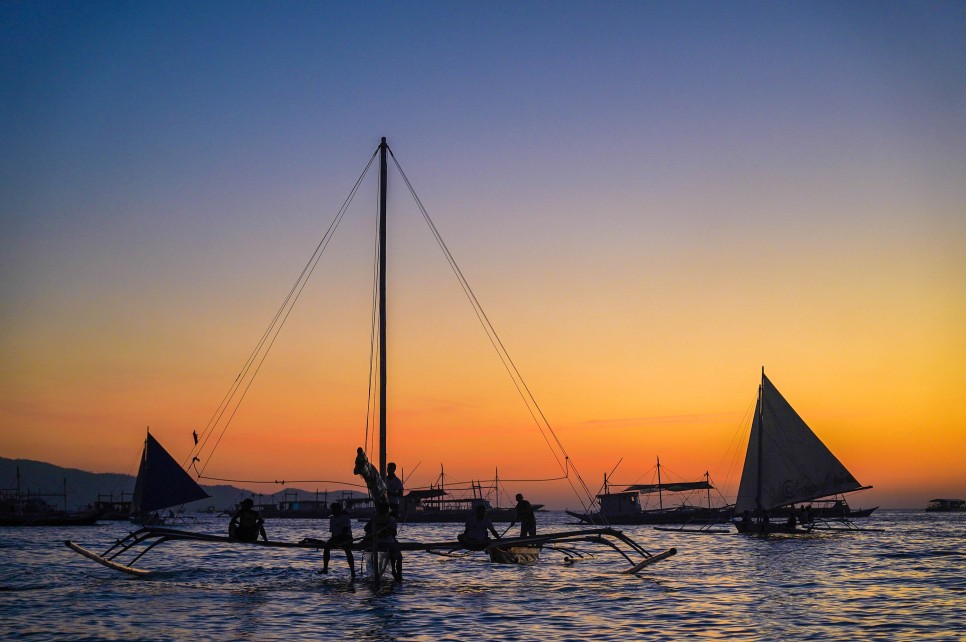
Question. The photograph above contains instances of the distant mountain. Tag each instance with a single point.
(83, 488)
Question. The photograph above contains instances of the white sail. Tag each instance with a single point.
(786, 462)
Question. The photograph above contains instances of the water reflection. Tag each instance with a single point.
(907, 581)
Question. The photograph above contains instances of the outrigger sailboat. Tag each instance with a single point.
(786, 465)
(161, 483)
(124, 554)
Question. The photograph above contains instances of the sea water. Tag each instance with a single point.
(905, 581)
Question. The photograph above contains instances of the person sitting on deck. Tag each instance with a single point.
(340, 529)
(526, 517)
(394, 489)
(382, 527)
(246, 524)
(476, 535)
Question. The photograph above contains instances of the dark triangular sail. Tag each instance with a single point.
(786, 462)
(161, 481)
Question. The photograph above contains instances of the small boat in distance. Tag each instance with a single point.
(625, 507)
(31, 509)
(946, 505)
(786, 464)
(112, 509)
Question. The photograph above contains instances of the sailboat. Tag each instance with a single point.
(124, 553)
(786, 465)
(161, 483)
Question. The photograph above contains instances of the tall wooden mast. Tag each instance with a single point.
(383, 148)
(761, 430)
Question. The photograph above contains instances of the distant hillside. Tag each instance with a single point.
(83, 488)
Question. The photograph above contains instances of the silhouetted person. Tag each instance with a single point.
(476, 534)
(394, 488)
(526, 517)
(763, 521)
(246, 524)
(746, 520)
(382, 527)
(340, 536)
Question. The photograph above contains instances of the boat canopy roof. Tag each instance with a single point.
(426, 493)
(672, 487)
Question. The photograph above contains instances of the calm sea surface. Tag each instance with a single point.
(906, 582)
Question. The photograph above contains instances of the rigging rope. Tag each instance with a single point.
(267, 340)
(522, 389)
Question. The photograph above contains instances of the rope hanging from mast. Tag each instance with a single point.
(226, 410)
(519, 383)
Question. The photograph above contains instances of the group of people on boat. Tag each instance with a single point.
(476, 532)
(381, 531)
(759, 521)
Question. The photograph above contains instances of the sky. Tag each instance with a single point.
(651, 201)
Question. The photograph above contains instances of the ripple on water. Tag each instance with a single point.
(907, 581)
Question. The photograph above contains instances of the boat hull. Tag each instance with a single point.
(671, 516)
(41, 519)
(768, 528)
(518, 554)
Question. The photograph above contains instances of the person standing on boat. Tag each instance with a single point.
(340, 530)
(526, 517)
(476, 534)
(246, 524)
(394, 488)
(383, 528)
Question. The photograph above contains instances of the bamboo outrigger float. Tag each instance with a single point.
(124, 554)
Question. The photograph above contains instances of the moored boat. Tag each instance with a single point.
(627, 507)
(32, 509)
(946, 505)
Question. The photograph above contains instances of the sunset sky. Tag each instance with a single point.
(651, 201)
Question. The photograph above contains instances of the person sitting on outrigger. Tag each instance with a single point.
(340, 529)
(383, 527)
(476, 534)
(246, 524)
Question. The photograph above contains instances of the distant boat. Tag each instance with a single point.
(436, 504)
(31, 509)
(946, 505)
(441, 504)
(786, 464)
(111, 509)
(625, 507)
(161, 483)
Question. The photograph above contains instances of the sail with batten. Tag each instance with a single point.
(786, 462)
